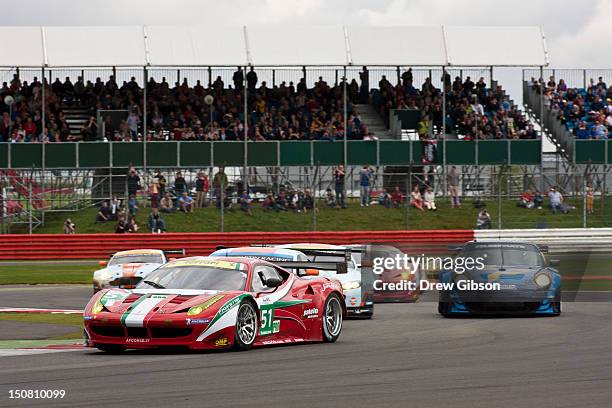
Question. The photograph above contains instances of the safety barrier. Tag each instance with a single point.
(558, 240)
(100, 246)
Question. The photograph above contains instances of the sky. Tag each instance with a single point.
(578, 32)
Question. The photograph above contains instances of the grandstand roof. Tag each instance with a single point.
(130, 46)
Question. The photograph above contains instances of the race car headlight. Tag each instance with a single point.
(351, 285)
(97, 307)
(103, 275)
(542, 279)
(196, 310)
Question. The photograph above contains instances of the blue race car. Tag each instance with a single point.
(507, 278)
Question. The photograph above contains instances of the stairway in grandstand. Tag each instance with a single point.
(370, 118)
(76, 117)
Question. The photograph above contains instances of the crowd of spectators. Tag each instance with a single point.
(586, 112)
(286, 111)
(473, 109)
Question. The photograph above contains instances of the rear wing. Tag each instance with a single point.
(338, 267)
(344, 253)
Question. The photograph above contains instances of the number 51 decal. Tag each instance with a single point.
(268, 324)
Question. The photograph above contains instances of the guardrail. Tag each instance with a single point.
(100, 246)
(558, 240)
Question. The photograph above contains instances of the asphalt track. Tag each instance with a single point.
(406, 356)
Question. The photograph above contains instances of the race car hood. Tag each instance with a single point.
(519, 276)
(163, 301)
(126, 270)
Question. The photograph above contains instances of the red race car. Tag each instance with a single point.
(212, 303)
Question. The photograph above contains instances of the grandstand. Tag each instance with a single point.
(171, 97)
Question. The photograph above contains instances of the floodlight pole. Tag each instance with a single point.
(43, 108)
(144, 121)
(246, 132)
(345, 146)
(541, 85)
(444, 172)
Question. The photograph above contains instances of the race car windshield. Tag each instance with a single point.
(142, 258)
(505, 255)
(195, 277)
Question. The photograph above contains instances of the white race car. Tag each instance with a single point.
(359, 295)
(126, 269)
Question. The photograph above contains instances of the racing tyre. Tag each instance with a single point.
(246, 326)
(110, 348)
(444, 308)
(332, 318)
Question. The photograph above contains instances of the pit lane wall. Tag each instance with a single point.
(101, 246)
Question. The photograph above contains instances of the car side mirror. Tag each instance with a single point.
(102, 263)
(554, 262)
(273, 282)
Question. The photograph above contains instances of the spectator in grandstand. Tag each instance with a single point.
(453, 186)
(201, 186)
(483, 221)
(526, 200)
(133, 182)
(397, 198)
(364, 89)
(384, 198)
(556, 200)
(416, 200)
(132, 205)
(89, 130)
(156, 222)
(104, 213)
(180, 185)
(365, 176)
(238, 79)
(166, 204)
(429, 199)
(245, 202)
(339, 176)
(251, 79)
(185, 202)
(219, 183)
(115, 207)
(69, 227)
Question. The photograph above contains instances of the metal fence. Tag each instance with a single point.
(29, 198)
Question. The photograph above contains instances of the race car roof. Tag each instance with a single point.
(311, 245)
(139, 252)
(265, 253)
